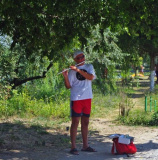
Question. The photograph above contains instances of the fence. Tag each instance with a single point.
(152, 104)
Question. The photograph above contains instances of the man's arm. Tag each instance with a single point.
(67, 83)
(66, 80)
(84, 74)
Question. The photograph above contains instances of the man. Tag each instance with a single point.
(79, 81)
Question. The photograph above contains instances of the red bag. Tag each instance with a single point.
(119, 148)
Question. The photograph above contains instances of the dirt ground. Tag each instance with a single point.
(19, 141)
(146, 141)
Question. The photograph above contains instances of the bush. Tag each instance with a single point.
(23, 105)
(136, 117)
(154, 119)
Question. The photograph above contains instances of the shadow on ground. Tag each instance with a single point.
(20, 141)
(38, 143)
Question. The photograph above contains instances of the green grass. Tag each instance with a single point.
(136, 117)
(40, 101)
(102, 105)
(23, 105)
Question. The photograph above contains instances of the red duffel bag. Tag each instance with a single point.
(119, 148)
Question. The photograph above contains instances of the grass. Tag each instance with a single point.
(138, 115)
(104, 105)
(50, 108)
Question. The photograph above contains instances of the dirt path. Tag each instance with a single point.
(146, 141)
(23, 144)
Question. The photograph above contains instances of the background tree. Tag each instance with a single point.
(139, 19)
(102, 50)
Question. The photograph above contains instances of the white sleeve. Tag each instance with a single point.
(92, 71)
(71, 77)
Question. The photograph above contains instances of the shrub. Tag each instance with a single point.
(136, 117)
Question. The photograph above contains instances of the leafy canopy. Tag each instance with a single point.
(47, 25)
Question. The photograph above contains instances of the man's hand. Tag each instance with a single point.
(65, 74)
(74, 68)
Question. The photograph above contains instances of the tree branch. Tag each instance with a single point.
(17, 82)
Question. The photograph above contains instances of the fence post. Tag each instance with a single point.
(145, 103)
(155, 106)
(150, 104)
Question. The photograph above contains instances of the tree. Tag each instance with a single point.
(102, 50)
(47, 25)
(48, 28)
(45, 28)
(139, 19)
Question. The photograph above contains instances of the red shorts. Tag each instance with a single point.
(81, 108)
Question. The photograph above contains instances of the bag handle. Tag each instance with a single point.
(112, 149)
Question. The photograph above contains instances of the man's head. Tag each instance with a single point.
(79, 57)
(77, 53)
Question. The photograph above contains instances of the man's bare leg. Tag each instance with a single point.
(84, 130)
(73, 131)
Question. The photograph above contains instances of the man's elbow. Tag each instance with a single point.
(91, 77)
(68, 87)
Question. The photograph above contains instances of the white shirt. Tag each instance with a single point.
(81, 88)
